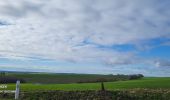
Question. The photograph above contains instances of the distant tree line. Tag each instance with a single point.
(135, 76)
(112, 78)
(7, 79)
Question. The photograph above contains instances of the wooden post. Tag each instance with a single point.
(17, 90)
(102, 86)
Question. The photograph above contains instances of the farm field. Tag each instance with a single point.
(147, 82)
(60, 78)
(147, 88)
(45, 86)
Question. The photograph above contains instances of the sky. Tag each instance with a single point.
(85, 36)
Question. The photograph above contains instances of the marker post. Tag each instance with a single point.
(17, 90)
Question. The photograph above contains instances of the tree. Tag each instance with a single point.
(2, 74)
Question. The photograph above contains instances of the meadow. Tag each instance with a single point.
(145, 83)
(60, 78)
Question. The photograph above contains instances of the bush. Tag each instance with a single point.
(135, 76)
(133, 94)
(5, 79)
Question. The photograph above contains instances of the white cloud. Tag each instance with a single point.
(57, 29)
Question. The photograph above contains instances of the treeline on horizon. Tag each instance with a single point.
(44, 78)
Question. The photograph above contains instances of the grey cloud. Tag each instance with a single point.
(4, 23)
(120, 61)
(166, 43)
(162, 63)
(54, 13)
(21, 8)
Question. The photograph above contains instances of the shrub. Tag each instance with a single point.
(6, 79)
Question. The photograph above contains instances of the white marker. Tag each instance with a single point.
(17, 90)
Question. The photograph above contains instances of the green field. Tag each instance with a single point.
(150, 83)
(59, 78)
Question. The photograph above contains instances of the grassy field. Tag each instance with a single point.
(150, 83)
(60, 78)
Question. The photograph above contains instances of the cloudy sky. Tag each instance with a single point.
(86, 36)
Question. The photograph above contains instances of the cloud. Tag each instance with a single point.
(20, 8)
(166, 43)
(74, 30)
(162, 63)
(4, 23)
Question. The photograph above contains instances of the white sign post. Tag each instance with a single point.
(17, 90)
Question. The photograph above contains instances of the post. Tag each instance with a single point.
(102, 86)
(17, 90)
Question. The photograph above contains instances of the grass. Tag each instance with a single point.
(59, 78)
(150, 83)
